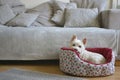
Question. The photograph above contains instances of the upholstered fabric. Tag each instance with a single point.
(6, 14)
(19, 9)
(58, 18)
(104, 18)
(58, 5)
(21, 43)
(44, 22)
(118, 45)
(110, 19)
(15, 43)
(23, 19)
(59, 9)
(36, 24)
(81, 17)
(100, 4)
(11, 3)
(16, 5)
(3, 25)
(45, 11)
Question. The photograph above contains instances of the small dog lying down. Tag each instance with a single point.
(92, 57)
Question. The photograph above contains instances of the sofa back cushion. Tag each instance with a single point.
(111, 19)
(81, 17)
(100, 4)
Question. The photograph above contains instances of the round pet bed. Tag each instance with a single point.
(71, 63)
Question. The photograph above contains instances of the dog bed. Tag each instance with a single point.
(71, 63)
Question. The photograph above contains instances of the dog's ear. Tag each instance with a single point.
(84, 41)
(74, 37)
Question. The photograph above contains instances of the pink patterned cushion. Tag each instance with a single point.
(71, 63)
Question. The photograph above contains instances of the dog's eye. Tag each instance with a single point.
(73, 44)
(79, 46)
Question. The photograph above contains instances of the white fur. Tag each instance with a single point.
(84, 54)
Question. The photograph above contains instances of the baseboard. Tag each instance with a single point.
(28, 62)
(117, 62)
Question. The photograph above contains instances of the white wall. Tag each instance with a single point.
(33, 3)
(114, 3)
(109, 4)
(118, 4)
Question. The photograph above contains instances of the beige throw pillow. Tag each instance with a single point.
(59, 9)
(23, 20)
(81, 17)
(45, 11)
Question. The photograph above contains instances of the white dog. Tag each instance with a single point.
(84, 54)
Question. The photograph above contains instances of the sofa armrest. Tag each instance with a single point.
(111, 19)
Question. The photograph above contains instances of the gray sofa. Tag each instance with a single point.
(41, 38)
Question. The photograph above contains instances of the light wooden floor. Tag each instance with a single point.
(54, 69)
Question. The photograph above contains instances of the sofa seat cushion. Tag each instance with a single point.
(20, 43)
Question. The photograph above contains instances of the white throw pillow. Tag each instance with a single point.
(11, 3)
(59, 9)
(81, 17)
(6, 14)
(16, 5)
(23, 20)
